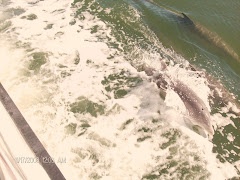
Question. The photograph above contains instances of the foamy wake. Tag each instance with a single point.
(129, 137)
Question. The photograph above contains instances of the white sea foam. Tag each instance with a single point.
(110, 148)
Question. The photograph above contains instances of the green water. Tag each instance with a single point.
(139, 29)
(220, 19)
(160, 22)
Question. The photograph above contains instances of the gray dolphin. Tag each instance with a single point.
(207, 35)
(196, 28)
(196, 107)
(220, 96)
(186, 20)
(197, 110)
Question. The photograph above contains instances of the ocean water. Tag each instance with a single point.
(74, 69)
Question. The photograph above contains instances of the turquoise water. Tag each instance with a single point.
(75, 71)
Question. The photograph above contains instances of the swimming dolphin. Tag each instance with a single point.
(220, 96)
(212, 38)
(197, 110)
(196, 107)
(185, 19)
(207, 35)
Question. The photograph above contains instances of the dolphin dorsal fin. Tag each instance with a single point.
(187, 20)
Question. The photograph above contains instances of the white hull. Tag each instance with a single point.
(17, 161)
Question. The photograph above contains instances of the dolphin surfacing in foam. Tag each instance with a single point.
(197, 111)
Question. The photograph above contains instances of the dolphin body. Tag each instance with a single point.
(210, 37)
(220, 96)
(197, 110)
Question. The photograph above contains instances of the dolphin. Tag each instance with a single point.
(220, 96)
(186, 20)
(212, 38)
(207, 35)
(197, 111)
